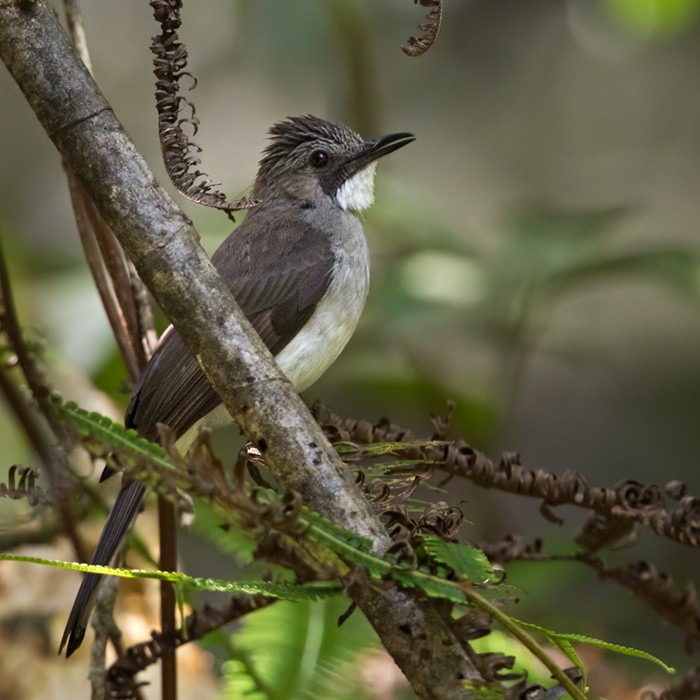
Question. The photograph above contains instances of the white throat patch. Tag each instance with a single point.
(357, 192)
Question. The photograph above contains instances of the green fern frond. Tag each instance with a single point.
(104, 435)
(111, 436)
(563, 641)
(315, 590)
(466, 561)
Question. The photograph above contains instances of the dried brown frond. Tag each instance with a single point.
(121, 675)
(417, 46)
(495, 669)
(513, 547)
(21, 485)
(473, 625)
(179, 153)
(615, 511)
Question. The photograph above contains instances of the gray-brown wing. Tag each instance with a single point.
(278, 288)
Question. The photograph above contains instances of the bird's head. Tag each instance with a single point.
(309, 158)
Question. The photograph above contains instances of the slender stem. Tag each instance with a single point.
(526, 639)
(94, 259)
(167, 518)
(76, 29)
(115, 264)
(127, 318)
(144, 313)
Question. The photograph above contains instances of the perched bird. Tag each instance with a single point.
(298, 267)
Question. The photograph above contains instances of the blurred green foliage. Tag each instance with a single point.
(298, 651)
(654, 18)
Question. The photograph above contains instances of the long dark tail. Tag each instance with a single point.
(123, 513)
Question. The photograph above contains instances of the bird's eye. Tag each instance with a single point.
(319, 159)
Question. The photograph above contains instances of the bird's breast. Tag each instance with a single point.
(317, 345)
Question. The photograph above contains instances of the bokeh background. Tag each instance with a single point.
(535, 252)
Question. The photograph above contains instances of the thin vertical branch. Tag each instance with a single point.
(91, 248)
(54, 460)
(167, 519)
(146, 329)
(76, 31)
(115, 265)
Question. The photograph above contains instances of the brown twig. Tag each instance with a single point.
(125, 298)
(34, 429)
(167, 521)
(145, 329)
(677, 606)
(76, 30)
(128, 311)
(122, 283)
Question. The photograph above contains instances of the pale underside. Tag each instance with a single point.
(319, 342)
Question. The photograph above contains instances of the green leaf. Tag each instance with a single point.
(560, 639)
(466, 561)
(109, 435)
(383, 448)
(355, 549)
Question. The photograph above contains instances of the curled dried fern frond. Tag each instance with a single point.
(179, 153)
(121, 675)
(615, 511)
(418, 45)
(21, 485)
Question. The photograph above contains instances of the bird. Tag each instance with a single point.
(298, 266)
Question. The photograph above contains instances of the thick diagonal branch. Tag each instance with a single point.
(163, 246)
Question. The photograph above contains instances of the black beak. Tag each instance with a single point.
(378, 148)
